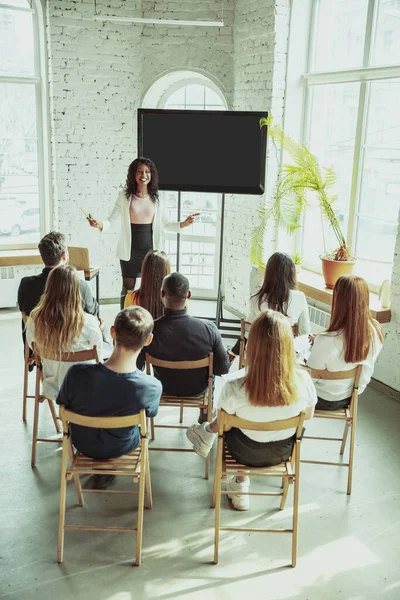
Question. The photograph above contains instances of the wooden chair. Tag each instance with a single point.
(288, 471)
(68, 357)
(244, 331)
(202, 401)
(348, 415)
(28, 362)
(135, 464)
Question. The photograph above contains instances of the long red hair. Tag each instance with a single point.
(351, 315)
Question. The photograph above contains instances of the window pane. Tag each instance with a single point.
(212, 98)
(19, 189)
(332, 138)
(387, 40)
(207, 206)
(340, 33)
(16, 42)
(177, 97)
(195, 94)
(380, 190)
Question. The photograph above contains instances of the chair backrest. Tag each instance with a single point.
(72, 357)
(234, 421)
(79, 258)
(337, 375)
(181, 365)
(68, 416)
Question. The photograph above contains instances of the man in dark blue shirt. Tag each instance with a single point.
(113, 389)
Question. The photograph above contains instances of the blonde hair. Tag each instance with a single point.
(270, 378)
(350, 314)
(59, 316)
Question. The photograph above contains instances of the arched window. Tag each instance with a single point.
(24, 172)
(196, 253)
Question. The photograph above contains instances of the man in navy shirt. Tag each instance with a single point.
(114, 389)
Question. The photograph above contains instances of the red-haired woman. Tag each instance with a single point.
(352, 338)
(142, 220)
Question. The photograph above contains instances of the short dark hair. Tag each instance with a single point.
(51, 247)
(133, 326)
(177, 285)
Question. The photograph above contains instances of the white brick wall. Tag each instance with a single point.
(260, 40)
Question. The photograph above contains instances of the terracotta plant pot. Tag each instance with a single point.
(333, 269)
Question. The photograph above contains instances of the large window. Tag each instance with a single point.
(23, 143)
(196, 252)
(352, 124)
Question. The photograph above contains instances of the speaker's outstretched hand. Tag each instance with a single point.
(189, 220)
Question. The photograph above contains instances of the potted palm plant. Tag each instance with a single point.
(289, 202)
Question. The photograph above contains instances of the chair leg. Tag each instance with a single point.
(284, 493)
(63, 491)
(149, 494)
(214, 494)
(25, 391)
(351, 455)
(142, 484)
(345, 433)
(152, 428)
(54, 415)
(76, 477)
(217, 512)
(35, 431)
(296, 505)
(207, 467)
(181, 414)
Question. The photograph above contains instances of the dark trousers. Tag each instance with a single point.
(332, 405)
(257, 454)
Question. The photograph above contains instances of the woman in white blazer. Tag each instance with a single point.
(352, 338)
(143, 220)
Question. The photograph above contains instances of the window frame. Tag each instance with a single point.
(40, 81)
(298, 104)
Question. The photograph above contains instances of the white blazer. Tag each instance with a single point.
(160, 222)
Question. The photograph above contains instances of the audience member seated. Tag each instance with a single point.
(278, 292)
(179, 336)
(352, 338)
(271, 388)
(58, 324)
(54, 252)
(113, 389)
(155, 267)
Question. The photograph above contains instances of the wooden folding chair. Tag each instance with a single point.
(288, 471)
(135, 464)
(349, 415)
(244, 332)
(202, 401)
(28, 362)
(68, 357)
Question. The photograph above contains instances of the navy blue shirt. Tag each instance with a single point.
(95, 391)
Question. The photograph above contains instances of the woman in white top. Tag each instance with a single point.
(142, 220)
(58, 324)
(352, 338)
(272, 388)
(278, 292)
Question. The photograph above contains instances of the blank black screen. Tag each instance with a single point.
(209, 151)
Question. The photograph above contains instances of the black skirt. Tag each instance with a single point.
(257, 454)
(141, 243)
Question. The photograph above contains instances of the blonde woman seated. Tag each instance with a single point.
(352, 338)
(58, 324)
(278, 292)
(155, 267)
(270, 389)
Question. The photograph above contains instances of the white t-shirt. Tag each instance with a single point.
(54, 371)
(234, 401)
(328, 353)
(297, 310)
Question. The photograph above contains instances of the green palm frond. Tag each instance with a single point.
(295, 180)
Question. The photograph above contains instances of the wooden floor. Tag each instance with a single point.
(349, 548)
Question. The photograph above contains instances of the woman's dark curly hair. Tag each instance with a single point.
(131, 185)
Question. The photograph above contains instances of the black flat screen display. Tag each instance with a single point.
(207, 151)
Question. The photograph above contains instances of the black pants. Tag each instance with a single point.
(332, 405)
(257, 454)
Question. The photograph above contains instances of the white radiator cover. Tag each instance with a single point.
(319, 319)
(8, 287)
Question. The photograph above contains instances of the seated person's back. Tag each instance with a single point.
(179, 336)
(58, 324)
(113, 389)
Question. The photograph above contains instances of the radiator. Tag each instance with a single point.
(8, 287)
(319, 319)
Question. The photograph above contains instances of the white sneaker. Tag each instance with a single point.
(239, 502)
(201, 439)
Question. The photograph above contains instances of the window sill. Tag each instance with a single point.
(313, 286)
(13, 258)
